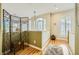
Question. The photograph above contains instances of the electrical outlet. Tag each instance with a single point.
(34, 41)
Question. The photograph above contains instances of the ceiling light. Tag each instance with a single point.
(56, 8)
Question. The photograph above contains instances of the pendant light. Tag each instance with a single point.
(34, 18)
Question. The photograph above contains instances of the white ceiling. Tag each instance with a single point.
(26, 9)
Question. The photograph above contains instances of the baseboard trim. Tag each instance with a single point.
(33, 46)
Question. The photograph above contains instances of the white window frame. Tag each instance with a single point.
(42, 26)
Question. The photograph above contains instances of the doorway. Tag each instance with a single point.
(65, 26)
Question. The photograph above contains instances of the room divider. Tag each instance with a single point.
(6, 32)
(15, 31)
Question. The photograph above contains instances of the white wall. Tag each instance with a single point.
(72, 42)
(45, 37)
(56, 17)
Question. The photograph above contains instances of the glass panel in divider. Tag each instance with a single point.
(24, 29)
(6, 32)
(15, 33)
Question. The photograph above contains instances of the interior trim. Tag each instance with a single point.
(33, 46)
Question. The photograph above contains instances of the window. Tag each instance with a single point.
(15, 24)
(40, 24)
(30, 24)
(62, 28)
(68, 24)
(6, 21)
(24, 27)
(65, 26)
(24, 24)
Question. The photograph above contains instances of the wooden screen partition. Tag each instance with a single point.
(6, 32)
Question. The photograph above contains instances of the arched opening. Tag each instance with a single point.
(40, 24)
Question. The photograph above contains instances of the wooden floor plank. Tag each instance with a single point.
(34, 51)
(31, 51)
(28, 51)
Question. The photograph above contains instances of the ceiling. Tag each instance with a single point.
(27, 9)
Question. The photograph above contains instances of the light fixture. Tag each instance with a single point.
(56, 8)
(34, 14)
(34, 18)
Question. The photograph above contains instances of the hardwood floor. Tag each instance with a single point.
(29, 51)
(33, 51)
(58, 42)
